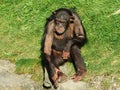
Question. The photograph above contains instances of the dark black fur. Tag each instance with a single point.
(72, 45)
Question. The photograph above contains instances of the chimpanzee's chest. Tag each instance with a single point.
(59, 42)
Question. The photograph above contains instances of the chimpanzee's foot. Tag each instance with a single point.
(78, 76)
(55, 85)
(62, 77)
(59, 77)
(55, 78)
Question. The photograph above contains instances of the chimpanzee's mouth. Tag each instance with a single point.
(60, 31)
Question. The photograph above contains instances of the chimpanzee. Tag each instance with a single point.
(63, 37)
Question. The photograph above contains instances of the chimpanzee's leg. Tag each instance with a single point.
(57, 60)
(50, 75)
(52, 72)
(78, 62)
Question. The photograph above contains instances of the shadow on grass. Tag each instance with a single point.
(29, 66)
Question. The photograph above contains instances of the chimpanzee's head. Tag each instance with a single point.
(62, 20)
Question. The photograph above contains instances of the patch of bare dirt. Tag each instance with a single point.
(115, 13)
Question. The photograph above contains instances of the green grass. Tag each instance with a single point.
(22, 24)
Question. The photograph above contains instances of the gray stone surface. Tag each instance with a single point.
(70, 85)
(11, 81)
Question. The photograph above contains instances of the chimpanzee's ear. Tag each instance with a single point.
(72, 19)
(54, 13)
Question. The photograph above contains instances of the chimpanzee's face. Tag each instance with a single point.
(61, 22)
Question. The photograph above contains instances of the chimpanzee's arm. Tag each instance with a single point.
(79, 35)
(48, 40)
